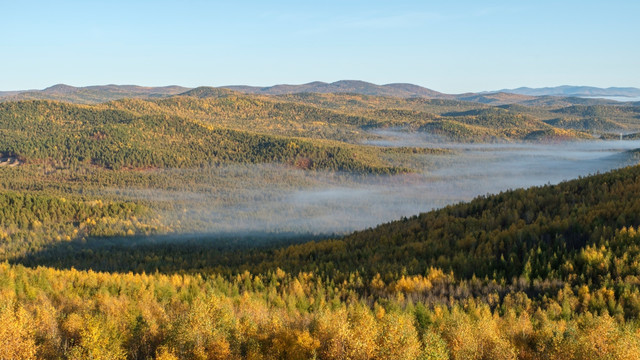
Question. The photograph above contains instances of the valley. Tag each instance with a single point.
(219, 223)
(334, 180)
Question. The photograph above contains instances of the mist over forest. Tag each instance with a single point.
(272, 199)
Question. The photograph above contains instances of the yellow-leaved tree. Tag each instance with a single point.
(17, 339)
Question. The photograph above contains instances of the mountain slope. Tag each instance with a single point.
(343, 117)
(342, 86)
(92, 94)
(532, 233)
(354, 107)
(50, 131)
(554, 97)
(544, 233)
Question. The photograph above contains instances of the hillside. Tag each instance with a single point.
(208, 92)
(92, 94)
(548, 272)
(343, 86)
(531, 233)
(312, 131)
(37, 131)
(251, 113)
(513, 234)
(348, 117)
(601, 111)
(344, 117)
(499, 98)
(547, 97)
(589, 115)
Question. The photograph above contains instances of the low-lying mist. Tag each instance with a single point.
(271, 199)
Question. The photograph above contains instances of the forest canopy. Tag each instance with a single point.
(97, 261)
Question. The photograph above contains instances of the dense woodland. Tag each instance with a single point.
(548, 272)
(34, 131)
(94, 268)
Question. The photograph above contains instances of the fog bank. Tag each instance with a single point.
(273, 199)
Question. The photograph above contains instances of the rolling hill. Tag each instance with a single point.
(346, 117)
(343, 86)
(92, 94)
(548, 97)
(37, 131)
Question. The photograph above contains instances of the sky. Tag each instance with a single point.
(449, 46)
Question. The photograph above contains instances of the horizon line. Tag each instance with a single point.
(312, 82)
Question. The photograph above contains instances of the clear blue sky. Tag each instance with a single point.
(449, 46)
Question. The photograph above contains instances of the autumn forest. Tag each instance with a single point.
(218, 223)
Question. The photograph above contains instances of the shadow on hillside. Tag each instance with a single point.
(163, 253)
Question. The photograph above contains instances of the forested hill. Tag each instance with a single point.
(545, 273)
(209, 126)
(92, 94)
(344, 86)
(39, 131)
(331, 119)
(574, 232)
(559, 96)
(342, 110)
(577, 232)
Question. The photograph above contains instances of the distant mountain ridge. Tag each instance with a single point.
(567, 90)
(136, 89)
(342, 86)
(92, 94)
(551, 96)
